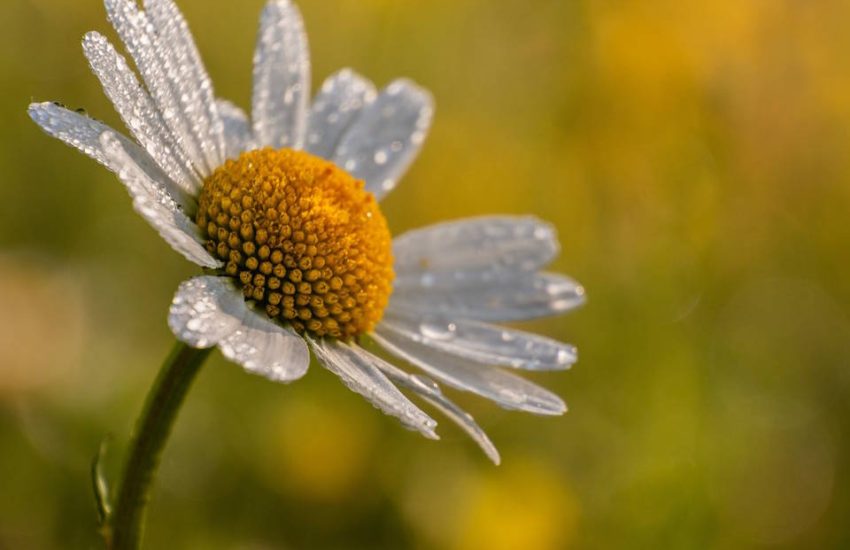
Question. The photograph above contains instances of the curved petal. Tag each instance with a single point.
(74, 129)
(485, 344)
(209, 310)
(509, 297)
(363, 377)
(204, 311)
(341, 97)
(428, 390)
(155, 205)
(281, 77)
(167, 82)
(386, 136)
(137, 110)
(237, 129)
(445, 253)
(505, 389)
(83, 133)
(265, 348)
(194, 81)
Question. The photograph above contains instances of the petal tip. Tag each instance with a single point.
(33, 110)
(91, 38)
(495, 457)
(546, 404)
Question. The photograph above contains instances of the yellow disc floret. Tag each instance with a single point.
(303, 238)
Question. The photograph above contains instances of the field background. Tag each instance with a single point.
(694, 158)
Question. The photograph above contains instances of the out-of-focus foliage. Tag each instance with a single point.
(694, 157)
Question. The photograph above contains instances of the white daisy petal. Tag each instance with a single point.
(445, 253)
(76, 130)
(193, 80)
(430, 391)
(511, 297)
(505, 389)
(205, 310)
(363, 377)
(237, 129)
(486, 344)
(154, 204)
(338, 102)
(281, 77)
(462, 280)
(210, 310)
(138, 111)
(180, 106)
(386, 136)
(83, 133)
(263, 347)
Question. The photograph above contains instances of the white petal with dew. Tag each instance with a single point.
(205, 310)
(155, 205)
(138, 111)
(194, 82)
(237, 129)
(444, 253)
(386, 136)
(180, 110)
(83, 133)
(210, 310)
(430, 391)
(340, 99)
(505, 389)
(363, 377)
(76, 130)
(281, 77)
(484, 343)
(265, 348)
(506, 297)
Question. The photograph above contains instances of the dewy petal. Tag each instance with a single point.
(194, 81)
(84, 133)
(338, 102)
(386, 136)
(263, 347)
(505, 389)
(180, 106)
(237, 129)
(281, 77)
(210, 310)
(485, 344)
(76, 130)
(445, 253)
(430, 391)
(510, 297)
(363, 377)
(138, 111)
(205, 310)
(155, 205)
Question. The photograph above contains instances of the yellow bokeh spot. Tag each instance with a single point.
(523, 504)
(34, 353)
(320, 453)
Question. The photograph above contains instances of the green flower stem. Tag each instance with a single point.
(124, 528)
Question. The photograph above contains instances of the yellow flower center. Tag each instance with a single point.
(302, 237)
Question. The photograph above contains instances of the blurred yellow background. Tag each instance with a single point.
(693, 156)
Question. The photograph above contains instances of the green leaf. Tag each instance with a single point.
(100, 485)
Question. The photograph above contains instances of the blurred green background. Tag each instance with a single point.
(693, 156)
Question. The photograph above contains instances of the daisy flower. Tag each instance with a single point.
(282, 211)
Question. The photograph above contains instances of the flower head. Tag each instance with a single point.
(306, 242)
(282, 211)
